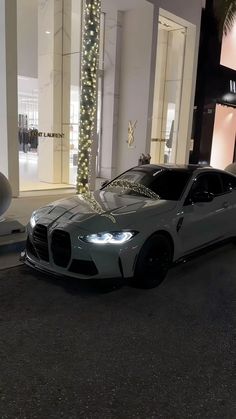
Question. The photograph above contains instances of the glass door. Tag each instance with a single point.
(168, 90)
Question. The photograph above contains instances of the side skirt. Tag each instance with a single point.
(202, 251)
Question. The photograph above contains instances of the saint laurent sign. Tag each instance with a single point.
(50, 134)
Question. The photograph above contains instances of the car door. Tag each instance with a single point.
(203, 222)
(229, 198)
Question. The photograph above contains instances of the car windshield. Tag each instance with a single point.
(156, 184)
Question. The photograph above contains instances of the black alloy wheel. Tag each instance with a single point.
(153, 262)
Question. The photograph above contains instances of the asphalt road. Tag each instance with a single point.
(71, 350)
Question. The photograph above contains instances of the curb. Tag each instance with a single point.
(10, 255)
(12, 247)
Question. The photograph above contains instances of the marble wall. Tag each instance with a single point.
(71, 56)
(135, 72)
(111, 93)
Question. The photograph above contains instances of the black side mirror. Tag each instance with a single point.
(202, 196)
(105, 183)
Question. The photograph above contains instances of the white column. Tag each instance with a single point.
(71, 84)
(9, 160)
(50, 88)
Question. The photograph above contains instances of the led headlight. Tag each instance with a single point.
(114, 237)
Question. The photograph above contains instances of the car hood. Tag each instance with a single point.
(109, 207)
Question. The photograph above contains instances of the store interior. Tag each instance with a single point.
(29, 140)
(50, 163)
(31, 77)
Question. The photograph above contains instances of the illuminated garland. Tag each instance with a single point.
(135, 187)
(88, 99)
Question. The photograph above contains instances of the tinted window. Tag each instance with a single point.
(208, 183)
(138, 176)
(165, 184)
(229, 182)
(170, 184)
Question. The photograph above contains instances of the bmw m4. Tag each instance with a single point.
(136, 225)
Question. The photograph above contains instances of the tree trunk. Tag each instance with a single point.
(88, 98)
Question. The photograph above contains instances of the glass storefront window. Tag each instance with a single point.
(49, 58)
(167, 91)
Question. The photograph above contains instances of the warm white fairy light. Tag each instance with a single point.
(135, 187)
(88, 99)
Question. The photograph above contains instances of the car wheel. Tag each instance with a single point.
(153, 262)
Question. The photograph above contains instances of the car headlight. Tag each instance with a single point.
(114, 237)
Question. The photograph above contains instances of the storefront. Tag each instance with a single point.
(49, 54)
(141, 109)
(214, 127)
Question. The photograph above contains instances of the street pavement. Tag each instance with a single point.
(70, 349)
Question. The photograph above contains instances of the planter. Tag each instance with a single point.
(5, 194)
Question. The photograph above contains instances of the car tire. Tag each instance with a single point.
(153, 262)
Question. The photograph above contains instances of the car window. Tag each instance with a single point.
(170, 184)
(208, 182)
(156, 184)
(228, 181)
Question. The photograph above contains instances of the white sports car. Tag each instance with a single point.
(135, 226)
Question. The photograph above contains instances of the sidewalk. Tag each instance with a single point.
(20, 210)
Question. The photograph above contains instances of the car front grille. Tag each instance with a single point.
(40, 241)
(61, 248)
(30, 248)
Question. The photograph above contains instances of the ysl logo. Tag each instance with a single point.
(131, 128)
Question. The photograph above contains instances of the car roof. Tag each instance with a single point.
(178, 167)
(192, 169)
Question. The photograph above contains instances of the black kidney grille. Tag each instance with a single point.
(40, 240)
(30, 248)
(61, 248)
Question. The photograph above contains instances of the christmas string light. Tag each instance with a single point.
(88, 99)
(135, 187)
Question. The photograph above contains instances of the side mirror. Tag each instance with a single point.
(105, 183)
(202, 196)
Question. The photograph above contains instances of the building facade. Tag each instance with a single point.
(146, 85)
(214, 127)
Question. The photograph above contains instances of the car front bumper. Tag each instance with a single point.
(60, 252)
